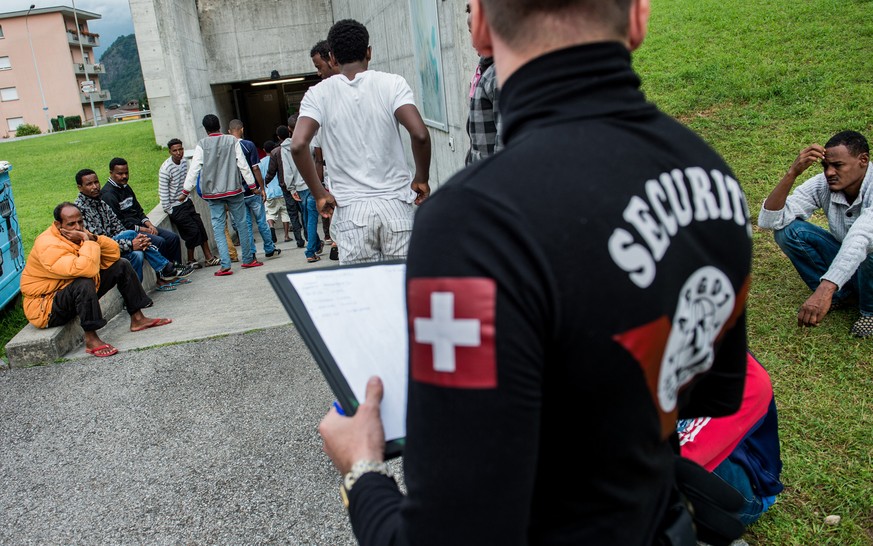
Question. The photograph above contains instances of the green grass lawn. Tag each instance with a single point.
(760, 81)
(44, 174)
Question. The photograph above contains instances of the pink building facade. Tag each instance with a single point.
(42, 68)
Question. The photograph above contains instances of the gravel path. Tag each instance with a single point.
(208, 442)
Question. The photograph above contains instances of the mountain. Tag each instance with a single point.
(123, 77)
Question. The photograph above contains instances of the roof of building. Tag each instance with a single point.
(81, 14)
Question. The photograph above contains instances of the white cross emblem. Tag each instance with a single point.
(445, 332)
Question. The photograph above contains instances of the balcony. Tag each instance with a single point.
(88, 40)
(97, 96)
(79, 68)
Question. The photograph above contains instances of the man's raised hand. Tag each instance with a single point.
(808, 156)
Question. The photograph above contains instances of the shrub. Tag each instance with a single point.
(73, 122)
(26, 129)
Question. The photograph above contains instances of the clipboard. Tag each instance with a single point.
(353, 320)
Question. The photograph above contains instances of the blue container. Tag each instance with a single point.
(11, 250)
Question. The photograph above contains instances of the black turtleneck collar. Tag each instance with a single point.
(586, 81)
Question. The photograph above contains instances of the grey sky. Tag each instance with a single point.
(115, 22)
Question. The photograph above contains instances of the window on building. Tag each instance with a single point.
(1, 31)
(5, 64)
(8, 93)
(13, 123)
(87, 58)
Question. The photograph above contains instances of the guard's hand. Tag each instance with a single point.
(347, 440)
(817, 305)
(808, 156)
(421, 189)
(325, 205)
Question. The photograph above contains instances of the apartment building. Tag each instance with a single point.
(48, 69)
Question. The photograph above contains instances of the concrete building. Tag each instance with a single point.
(217, 56)
(44, 58)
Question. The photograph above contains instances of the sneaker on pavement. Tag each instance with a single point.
(863, 327)
(184, 270)
(168, 273)
(276, 252)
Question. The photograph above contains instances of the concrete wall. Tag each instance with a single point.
(174, 67)
(192, 51)
(249, 39)
(388, 22)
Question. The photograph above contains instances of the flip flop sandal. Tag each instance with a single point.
(169, 287)
(223, 272)
(180, 280)
(154, 323)
(313, 259)
(102, 351)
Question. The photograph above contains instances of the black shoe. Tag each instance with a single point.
(334, 253)
(320, 248)
(276, 252)
(273, 234)
(301, 244)
(184, 270)
(169, 273)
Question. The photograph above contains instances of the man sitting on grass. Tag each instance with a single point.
(834, 263)
(68, 271)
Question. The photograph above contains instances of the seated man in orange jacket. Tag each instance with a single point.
(67, 272)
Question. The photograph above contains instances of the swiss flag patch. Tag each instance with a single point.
(451, 331)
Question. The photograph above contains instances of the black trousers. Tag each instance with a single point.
(81, 299)
(296, 216)
(190, 226)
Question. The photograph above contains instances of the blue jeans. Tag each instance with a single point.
(736, 477)
(135, 257)
(255, 209)
(310, 219)
(168, 244)
(812, 250)
(237, 206)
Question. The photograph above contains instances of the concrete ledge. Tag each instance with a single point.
(32, 346)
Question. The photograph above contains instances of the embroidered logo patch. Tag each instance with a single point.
(451, 332)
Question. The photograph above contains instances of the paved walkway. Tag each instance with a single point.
(173, 440)
(211, 306)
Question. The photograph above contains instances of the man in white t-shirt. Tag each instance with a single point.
(359, 112)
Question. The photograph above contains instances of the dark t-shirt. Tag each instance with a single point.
(251, 153)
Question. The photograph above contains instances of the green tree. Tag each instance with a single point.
(123, 77)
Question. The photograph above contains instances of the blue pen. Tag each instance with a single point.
(338, 408)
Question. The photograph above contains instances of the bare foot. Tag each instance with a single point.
(137, 325)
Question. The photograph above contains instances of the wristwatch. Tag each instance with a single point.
(359, 469)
